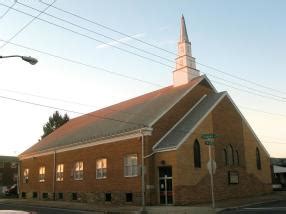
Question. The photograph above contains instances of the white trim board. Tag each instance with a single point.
(204, 77)
(196, 104)
(201, 120)
(133, 134)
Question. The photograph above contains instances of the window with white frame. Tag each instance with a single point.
(78, 170)
(60, 172)
(130, 165)
(42, 172)
(101, 168)
(26, 176)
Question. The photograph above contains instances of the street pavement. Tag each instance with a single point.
(274, 207)
(42, 210)
(270, 203)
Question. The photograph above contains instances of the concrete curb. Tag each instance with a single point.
(246, 205)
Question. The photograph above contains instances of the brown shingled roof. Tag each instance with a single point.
(123, 117)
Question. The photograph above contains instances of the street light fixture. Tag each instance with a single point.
(28, 59)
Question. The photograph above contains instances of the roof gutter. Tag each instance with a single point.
(146, 131)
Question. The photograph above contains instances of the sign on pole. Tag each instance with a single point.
(209, 136)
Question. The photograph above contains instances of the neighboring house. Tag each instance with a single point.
(8, 172)
(278, 166)
(99, 157)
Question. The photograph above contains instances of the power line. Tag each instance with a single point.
(85, 64)
(157, 47)
(265, 112)
(112, 72)
(26, 25)
(252, 89)
(109, 28)
(8, 9)
(92, 38)
(250, 92)
(100, 34)
(150, 59)
(131, 51)
(71, 111)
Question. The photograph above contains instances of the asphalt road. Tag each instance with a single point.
(41, 210)
(276, 207)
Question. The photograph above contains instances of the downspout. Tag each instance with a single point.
(142, 171)
(54, 176)
(18, 178)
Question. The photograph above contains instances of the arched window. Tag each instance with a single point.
(258, 160)
(230, 157)
(225, 157)
(197, 154)
(236, 158)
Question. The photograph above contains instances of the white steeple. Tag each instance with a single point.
(185, 64)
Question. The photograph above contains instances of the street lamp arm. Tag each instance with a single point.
(29, 59)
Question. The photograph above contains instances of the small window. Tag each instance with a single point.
(130, 165)
(45, 195)
(101, 168)
(42, 172)
(197, 154)
(26, 176)
(35, 195)
(13, 165)
(225, 157)
(108, 196)
(236, 158)
(60, 195)
(258, 160)
(230, 156)
(78, 170)
(60, 172)
(23, 195)
(129, 197)
(74, 196)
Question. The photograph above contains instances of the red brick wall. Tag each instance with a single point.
(115, 181)
(193, 185)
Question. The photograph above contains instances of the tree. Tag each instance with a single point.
(55, 121)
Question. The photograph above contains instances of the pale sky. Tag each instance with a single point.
(242, 38)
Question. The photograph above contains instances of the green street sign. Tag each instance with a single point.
(209, 142)
(209, 136)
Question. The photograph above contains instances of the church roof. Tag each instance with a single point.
(115, 120)
(189, 122)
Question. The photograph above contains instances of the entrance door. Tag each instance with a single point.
(165, 185)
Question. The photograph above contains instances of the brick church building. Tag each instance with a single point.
(149, 149)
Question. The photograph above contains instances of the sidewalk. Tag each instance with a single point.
(108, 209)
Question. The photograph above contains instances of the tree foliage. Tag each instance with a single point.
(55, 121)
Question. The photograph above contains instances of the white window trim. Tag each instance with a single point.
(130, 176)
(78, 174)
(42, 177)
(99, 175)
(60, 174)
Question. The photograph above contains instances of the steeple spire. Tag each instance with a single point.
(184, 33)
(185, 64)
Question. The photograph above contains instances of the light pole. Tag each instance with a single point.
(28, 59)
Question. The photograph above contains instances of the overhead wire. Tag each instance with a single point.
(71, 111)
(8, 9)
(150, 59)
(26, 25)
(160, 48)
(109, 71)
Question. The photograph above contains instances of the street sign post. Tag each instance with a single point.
(209, 140)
